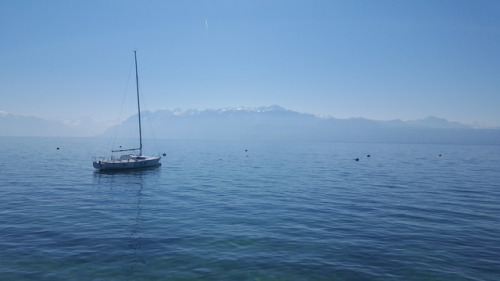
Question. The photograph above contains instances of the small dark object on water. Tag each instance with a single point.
(58, 148)
(439, 155)
(368, 155)
(246, 150)
(356, 159)
(164, 154)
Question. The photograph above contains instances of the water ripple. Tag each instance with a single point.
(278, 211)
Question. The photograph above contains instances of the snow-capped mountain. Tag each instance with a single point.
(260, 123)
(277, 123)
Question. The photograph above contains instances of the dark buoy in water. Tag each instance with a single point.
(439, 155)
(58, 148)
(368, 155)
(356, 159)
(246, 150)
(164, 154)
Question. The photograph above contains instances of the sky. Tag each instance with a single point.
(382, 60)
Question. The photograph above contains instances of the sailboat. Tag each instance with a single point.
(130, 160)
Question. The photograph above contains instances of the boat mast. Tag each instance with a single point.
(138, 103)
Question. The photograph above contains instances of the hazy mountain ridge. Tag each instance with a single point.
(278, 123)
(29, 126)
(15, 125)
(262, 123)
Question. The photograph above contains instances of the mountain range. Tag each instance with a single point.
(262, 123)
(19, 125)
(277, 123)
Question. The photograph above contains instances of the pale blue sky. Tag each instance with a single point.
(384, 59)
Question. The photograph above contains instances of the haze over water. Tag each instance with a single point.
(232, 210)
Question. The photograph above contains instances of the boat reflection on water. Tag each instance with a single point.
(123, 194)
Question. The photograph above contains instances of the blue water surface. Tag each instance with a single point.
(232, 210)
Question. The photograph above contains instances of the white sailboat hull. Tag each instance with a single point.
(127, 162)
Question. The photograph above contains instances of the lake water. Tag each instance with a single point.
(278, 211)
